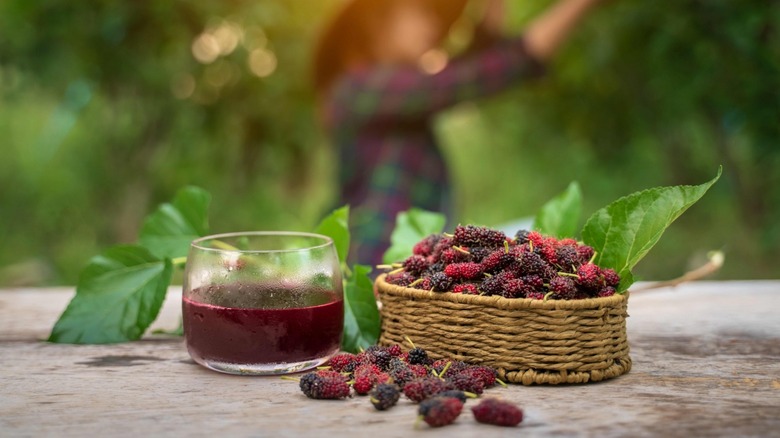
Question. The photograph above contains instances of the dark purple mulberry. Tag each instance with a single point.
(568, 258)
(521, 237)
(564, 288)
(440, 282)
(415, 264)
(384, 396)
(466, 381)
(402, 278)
(418, 356)
(496, 260)
(478, 253)
(495, 285)
(531, 263)
(470, 235)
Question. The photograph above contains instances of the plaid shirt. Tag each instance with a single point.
(380, 120)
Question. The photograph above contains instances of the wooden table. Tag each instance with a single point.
(706, 363)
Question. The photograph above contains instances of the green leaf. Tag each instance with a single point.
(336, 226)
(560, 216)
(624, 231)
(361, 316)
(169, 231)
(118, 296)
(410, 227)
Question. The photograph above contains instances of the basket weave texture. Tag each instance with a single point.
(528, 341)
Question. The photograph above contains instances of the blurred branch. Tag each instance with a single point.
(715, 262)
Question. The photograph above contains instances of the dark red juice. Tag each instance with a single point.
(261, 324)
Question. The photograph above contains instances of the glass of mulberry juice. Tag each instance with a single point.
(262, 303)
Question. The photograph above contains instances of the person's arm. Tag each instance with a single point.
(545, 34)
(406, 92)
(396, 93)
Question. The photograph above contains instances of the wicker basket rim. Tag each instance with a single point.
(501, 302)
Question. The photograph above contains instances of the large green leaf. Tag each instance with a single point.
(560, 216)
(118, 296)
(336, 226)
(624, 231)
(169, 231)
(361, 316)
(410, 227)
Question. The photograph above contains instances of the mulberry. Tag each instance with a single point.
(440, 282)
(324, 384)
(442, 245)
(478, 253)
(564, 288)
(451, 255)
(496, 261)
(402, 278)
(521, 237)
(486, 374)
(440, 411)
(415, 264)
(531, 263)
(607, 292)
(425, 247)
(466, 381)
(419, 389)
(568, 258)
(471, 235)
(466, 288)
(589, 277)
(384, 396)
(497, 412)
(454, 393)
(586, 253)
(464, 271)
(611, 277)
(343, 362)
(495, 285)
(418, 356)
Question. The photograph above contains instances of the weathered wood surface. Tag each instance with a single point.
(706, 363)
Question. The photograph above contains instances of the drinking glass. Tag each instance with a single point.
(262, 302)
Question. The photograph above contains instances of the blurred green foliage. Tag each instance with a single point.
(109, 107)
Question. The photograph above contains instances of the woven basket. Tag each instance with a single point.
(528, 341)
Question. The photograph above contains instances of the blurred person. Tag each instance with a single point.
(377, 100)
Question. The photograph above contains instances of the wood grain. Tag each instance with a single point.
(706, 363)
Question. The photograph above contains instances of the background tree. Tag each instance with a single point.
(108, 108)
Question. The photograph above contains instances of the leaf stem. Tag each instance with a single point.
(179, 261)
(222, 245)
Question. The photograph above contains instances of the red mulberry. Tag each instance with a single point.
(464, 271)
(497, 412)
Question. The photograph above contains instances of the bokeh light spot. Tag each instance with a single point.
(262, 62)
(183, 86)
(205, 48)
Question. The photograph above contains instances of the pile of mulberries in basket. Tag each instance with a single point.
(483, 261)
(440, 387)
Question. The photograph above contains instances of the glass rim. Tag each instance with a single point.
(326, 241)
